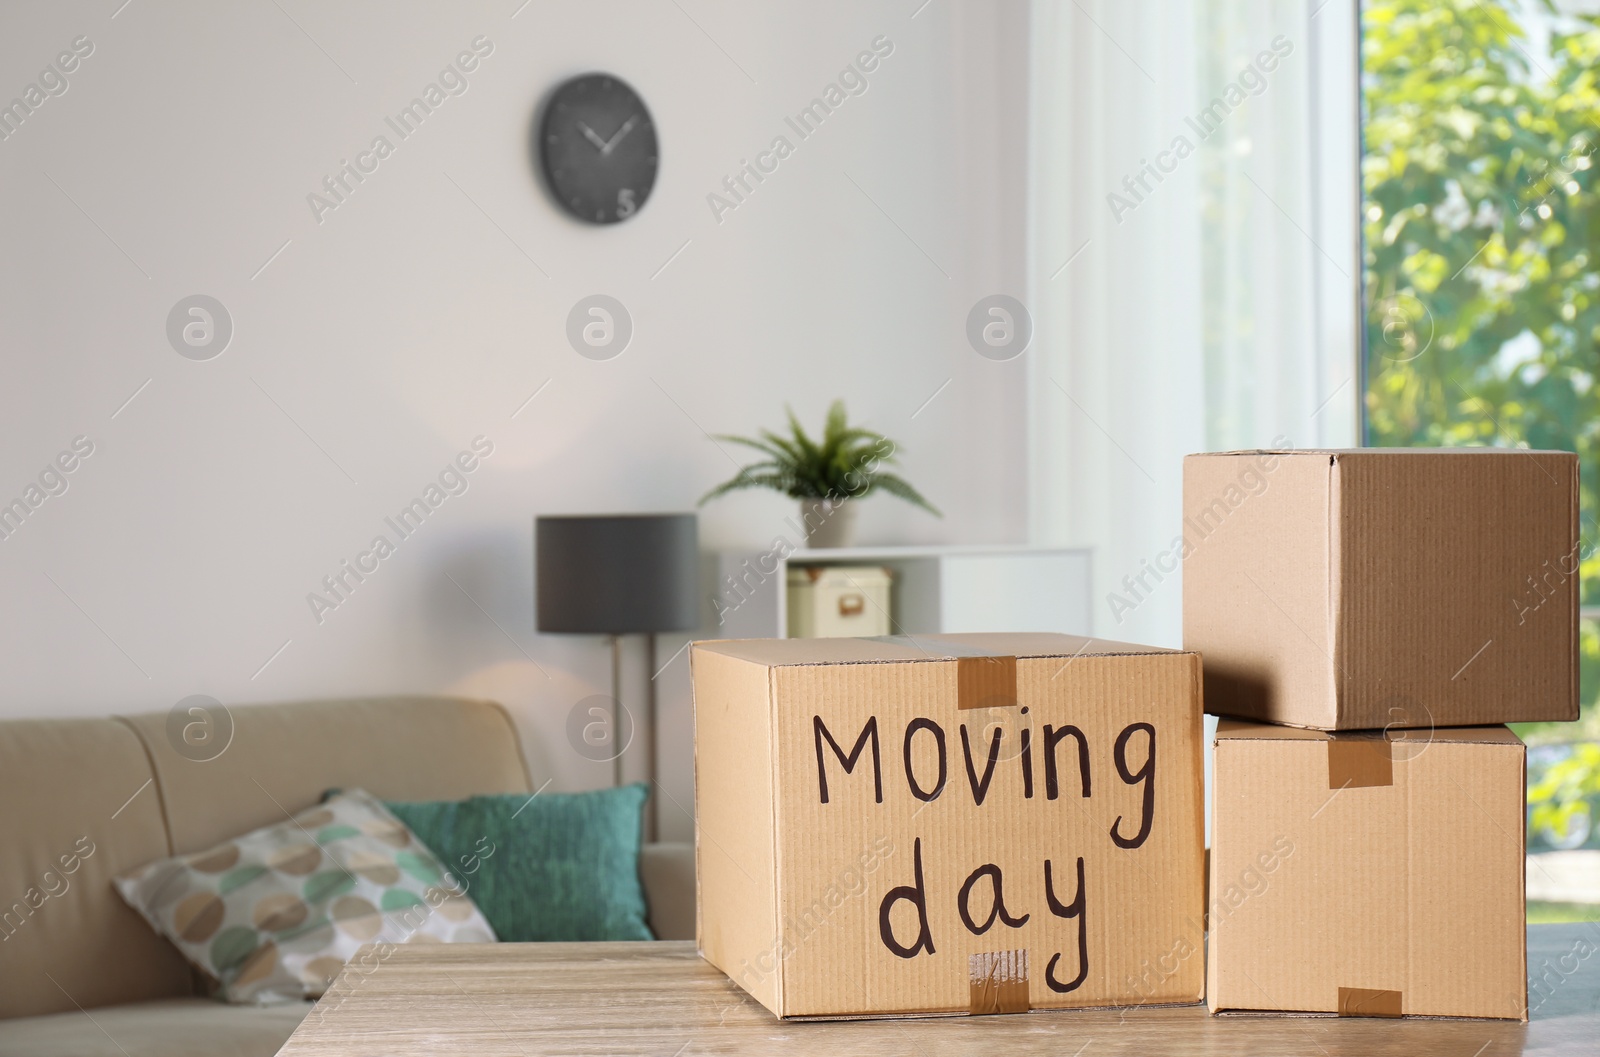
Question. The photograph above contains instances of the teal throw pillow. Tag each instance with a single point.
(553, 866)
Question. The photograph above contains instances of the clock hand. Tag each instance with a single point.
(592, 136)
(616, 138)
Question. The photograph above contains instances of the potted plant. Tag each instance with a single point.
(825, 475)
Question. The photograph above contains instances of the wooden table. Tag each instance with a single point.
(522, 1000)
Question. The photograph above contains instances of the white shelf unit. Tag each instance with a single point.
(936, 589)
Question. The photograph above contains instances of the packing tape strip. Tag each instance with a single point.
(1359, 761)
(1364, 1002)
(983, 679)
(986, 682)
(997, 982)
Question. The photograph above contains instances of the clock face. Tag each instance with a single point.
(597, 146)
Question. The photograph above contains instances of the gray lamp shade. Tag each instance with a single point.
(617, 575)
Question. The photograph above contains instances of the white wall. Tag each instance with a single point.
(413, 318)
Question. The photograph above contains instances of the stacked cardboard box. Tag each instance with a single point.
(1369, 619)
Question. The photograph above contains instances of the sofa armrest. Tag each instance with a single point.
(667, 872)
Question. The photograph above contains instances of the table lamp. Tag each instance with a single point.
(615, 575)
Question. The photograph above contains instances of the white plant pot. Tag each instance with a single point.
(829, 522)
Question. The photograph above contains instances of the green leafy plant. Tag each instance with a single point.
(1562, 800)
(845, 464)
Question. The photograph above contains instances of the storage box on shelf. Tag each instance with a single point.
(828, 601)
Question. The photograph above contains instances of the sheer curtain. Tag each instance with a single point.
(1194, 265)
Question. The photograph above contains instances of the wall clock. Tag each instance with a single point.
(597, 147)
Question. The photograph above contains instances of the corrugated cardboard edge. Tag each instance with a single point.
(1311, 1013)
(1208, 990)
(1314, 1013)
(928, 1014)
(772, 999)
(1333, 593)
(1198, 820)
(1477, 450)
(777, 827)
(1577, 541)
(1523, 885)
(1233, 728)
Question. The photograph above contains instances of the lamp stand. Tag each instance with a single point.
(652, 812)
(652, 815)
(616, 709)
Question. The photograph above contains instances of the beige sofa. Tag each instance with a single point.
(82, 975)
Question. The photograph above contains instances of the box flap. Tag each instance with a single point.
(1240, 728)
(777, 652)
(783, 652)
(1382, 452)
(1231, 729)
(1043, 644)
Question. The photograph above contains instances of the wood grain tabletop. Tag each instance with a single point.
(661, 999)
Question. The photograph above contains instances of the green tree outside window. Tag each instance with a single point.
(1481, 216)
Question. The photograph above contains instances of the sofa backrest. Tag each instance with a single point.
(284, 757)
(77, 807)
(122, 786)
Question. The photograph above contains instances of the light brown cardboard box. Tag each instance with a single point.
(1367, 876)
(1347, 590)
(824, 817)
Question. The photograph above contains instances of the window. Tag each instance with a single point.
(1481, 223)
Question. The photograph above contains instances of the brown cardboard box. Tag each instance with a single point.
(848, 868)
(1347, 590)
(1367, 876)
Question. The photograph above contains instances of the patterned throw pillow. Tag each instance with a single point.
(273, 915)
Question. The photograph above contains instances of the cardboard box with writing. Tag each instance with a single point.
(1363, 875)
(1347, 590)
(949, 824)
